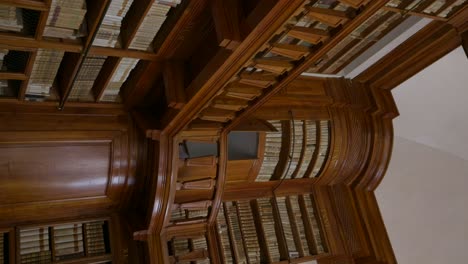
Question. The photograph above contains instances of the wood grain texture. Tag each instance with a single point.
(46, 172)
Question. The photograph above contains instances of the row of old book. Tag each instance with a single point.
(66, 20)
(296, 138)
(272, 151)
(46, 67)
(34, 245)
(11, 19)
(68, 242)
(111, 92)
(242, 241)
(183, 246)
(296, 128)
(109, 31)
(95, 240)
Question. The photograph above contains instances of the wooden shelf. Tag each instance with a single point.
(13, 76)
(248, 225)
(76, 50)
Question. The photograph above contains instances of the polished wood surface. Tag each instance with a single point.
(35, 173)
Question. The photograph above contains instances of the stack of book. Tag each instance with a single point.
(311, 136)
(297, 214)
(178, 214)
(197, 213)
(249, 231)
(68, 241)
(11, 19)
(150, 25)
(323, 148)
(90, 69)
(268, 224)
(315, 222)
(181, 246)
(233, 220)
(111, 93)
(296, 139)
(272, 151)
(200, 243)
(223, 233)
(287, 227)
(95, 241)
(34, 245)
(108, 33)
(43, 74)
(66, 19)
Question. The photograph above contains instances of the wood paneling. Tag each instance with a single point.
(239, 170)
(60, 165)
(46, 172)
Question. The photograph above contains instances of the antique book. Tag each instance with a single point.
(11, 18)
(200, 243)
(249, 231)
(311, 138)
(287, 227)
(68, 241)
(90, 69)
(34, 245)
(44, 71)
(296, 139)
(223, 231)
(272, 151)
(95, 240)
(150, 26)
(120, 75)
(268, 223)
(297, 216)
(109, 30)
(315, 222)
(238, 240)
(323, 148)
(65, 19)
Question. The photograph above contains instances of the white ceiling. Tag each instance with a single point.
(433, 105)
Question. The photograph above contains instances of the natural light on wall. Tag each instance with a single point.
(423, 195)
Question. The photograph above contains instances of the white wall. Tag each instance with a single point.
(424, 195)
(424, 203)
(433, 105)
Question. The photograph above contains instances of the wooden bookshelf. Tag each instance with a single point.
(61, 242)
(76, 50)
(259, 230)
(211, 68)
